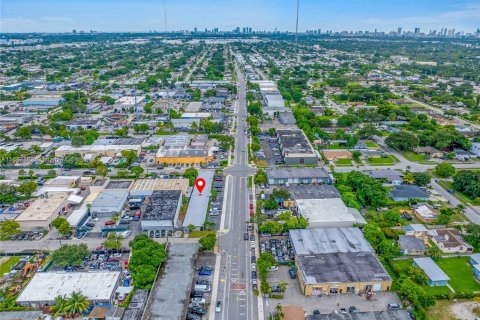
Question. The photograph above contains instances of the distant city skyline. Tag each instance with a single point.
(227, 15)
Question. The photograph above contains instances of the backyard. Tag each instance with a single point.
(460, 273)
(7, 264)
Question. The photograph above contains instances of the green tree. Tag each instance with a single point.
(260, 177)
(142, 127)
(137, 171)
(78, 141)
(270, 204)
(59, 307)
(27, 188)
(101, 170)
(72, 160)
(52, 173)
(62, 225)
(207, 243)
(76, 304)
(70, 255)
(113, 241)
(468, 182)
(433, 252)
(191, 174)
(24, 132)
(129, 155)
(445, 169)
(408, 178)
(403, 141)
(9, 228)
(422, 179)
(21, 172)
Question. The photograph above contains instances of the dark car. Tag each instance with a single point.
(252, 237)
(254, 259)
(292, 274)
(193, 316)
(245, 236)
(353, 309)
(316, 312)
(254, 275)
(198, 310)
(196, 294)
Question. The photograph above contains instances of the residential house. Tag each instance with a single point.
(436, 276)
(411, 245)
(429, 151)
(408, 192)
(391, 176)
(475, 262)
(449, 241)
(425, 213)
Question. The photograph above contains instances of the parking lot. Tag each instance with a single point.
(99, 260)
(201, 286)
(279, 247)
(215, 211)
(325, 304)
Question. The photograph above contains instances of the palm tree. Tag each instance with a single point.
(76, 304)
(59, 307)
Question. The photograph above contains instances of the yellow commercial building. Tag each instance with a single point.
(183, 150)
(336, 261)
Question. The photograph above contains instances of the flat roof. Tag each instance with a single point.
(372, 315)
(197, 208)
(118, 184)
(324, 210)
(342, 267)
(294, 142)
(160, 184)
(328, 240)
(301, 173)
(43, 208)
(45, 286)
(110, 198)
(169, 298)
(163, 205)
(99, 148)
(431, 269)
(307, 191)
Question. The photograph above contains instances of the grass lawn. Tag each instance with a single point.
(371, 144)
(415, 157)
(8, 264)
(460, 273)
(405, 264)
(335, 145)
(199, 234)
(462, 197)
(344, 162)
(382, 161)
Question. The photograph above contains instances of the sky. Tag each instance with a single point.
(145, 15)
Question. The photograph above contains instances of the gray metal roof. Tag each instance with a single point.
(197, 208)
(375, 315)
(301, 173)
(163, 205)
(411, 243)
(431, 269)
(307, 191)
(342, 268)
(390, 175)
(328, 240)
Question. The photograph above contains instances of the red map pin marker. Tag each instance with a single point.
(200, 184)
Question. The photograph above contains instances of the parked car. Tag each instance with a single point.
(252, 244)
(218, 306)
(316, 312)
(292, 273)
(198, 300)
(245, 236)
(252, 237)
(353, 309)
(394, 306)
(109, 222)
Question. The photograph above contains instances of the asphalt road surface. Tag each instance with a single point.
(235, 286)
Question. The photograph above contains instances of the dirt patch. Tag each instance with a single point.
(455, 310)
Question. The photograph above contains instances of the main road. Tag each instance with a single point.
(232, 282)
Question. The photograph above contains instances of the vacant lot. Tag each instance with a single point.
(460, 273)
(448, 310)
(344, 162)
(7, 264)
(382, 161)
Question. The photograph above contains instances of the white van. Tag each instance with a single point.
(124, 234)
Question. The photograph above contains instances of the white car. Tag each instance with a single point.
(273, 268)
(218, 306)
(252, 244)
(254, 267)
(198, 300)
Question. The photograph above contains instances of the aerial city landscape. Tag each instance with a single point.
(239, 167)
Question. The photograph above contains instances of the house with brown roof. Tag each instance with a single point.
(333, 155)
(449, 241)
(429, 151)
